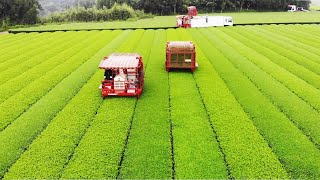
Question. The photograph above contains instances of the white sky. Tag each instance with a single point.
(315, 2)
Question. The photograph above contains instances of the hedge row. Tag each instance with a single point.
(148, 154)
(19, 41)
(305, 34)
(295, 151)
(64, 134)
(37, 89)
(27, 59)
(299, 87)
(78, 14)
(31, 43)
(192, 132)
(37, 66)
(306, 47)
(308, 52)
(304, 116)
(9, 40)
(98, 148)
(16, 138)
(312, 28)
(247, 153)
(302, 37)
(285, 62)
(292, 54)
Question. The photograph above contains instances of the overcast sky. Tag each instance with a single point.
(316, 2)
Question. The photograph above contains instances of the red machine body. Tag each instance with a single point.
(192, 20)
(123, 75)
(192, 11)
(180, 55)
(183, 21)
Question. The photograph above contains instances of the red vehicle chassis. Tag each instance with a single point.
(123, 75)
(180, 55)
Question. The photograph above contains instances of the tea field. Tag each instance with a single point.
(250, 111)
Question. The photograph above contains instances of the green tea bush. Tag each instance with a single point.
(37, 89)
(16, 138)
(288, 51)
(78, 14)
(294, 150)
(300, 87)
(150, 132)
(265, 48)
(300, 112)
(246, 152)
(65, 131)
(113, 116)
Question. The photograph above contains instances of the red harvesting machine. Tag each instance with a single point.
(180, 55)
(185, 20)
(192, 11)
(123, 75)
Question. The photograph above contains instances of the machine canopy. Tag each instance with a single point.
(180, 46)
(120, 60)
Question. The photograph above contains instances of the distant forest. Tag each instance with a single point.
(27, 11)
(169, 7)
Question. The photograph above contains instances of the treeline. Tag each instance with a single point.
(169, 7)
(26, 11)
(105, 10)
(18, 12)
(80, 13)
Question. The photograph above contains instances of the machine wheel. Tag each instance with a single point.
(104, 94)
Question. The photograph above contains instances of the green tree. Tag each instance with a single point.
(211, 4)
(101, 4)
(19, 11)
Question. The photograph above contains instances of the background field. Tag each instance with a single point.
(251, 109)
(169, 21)
(315, 7)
